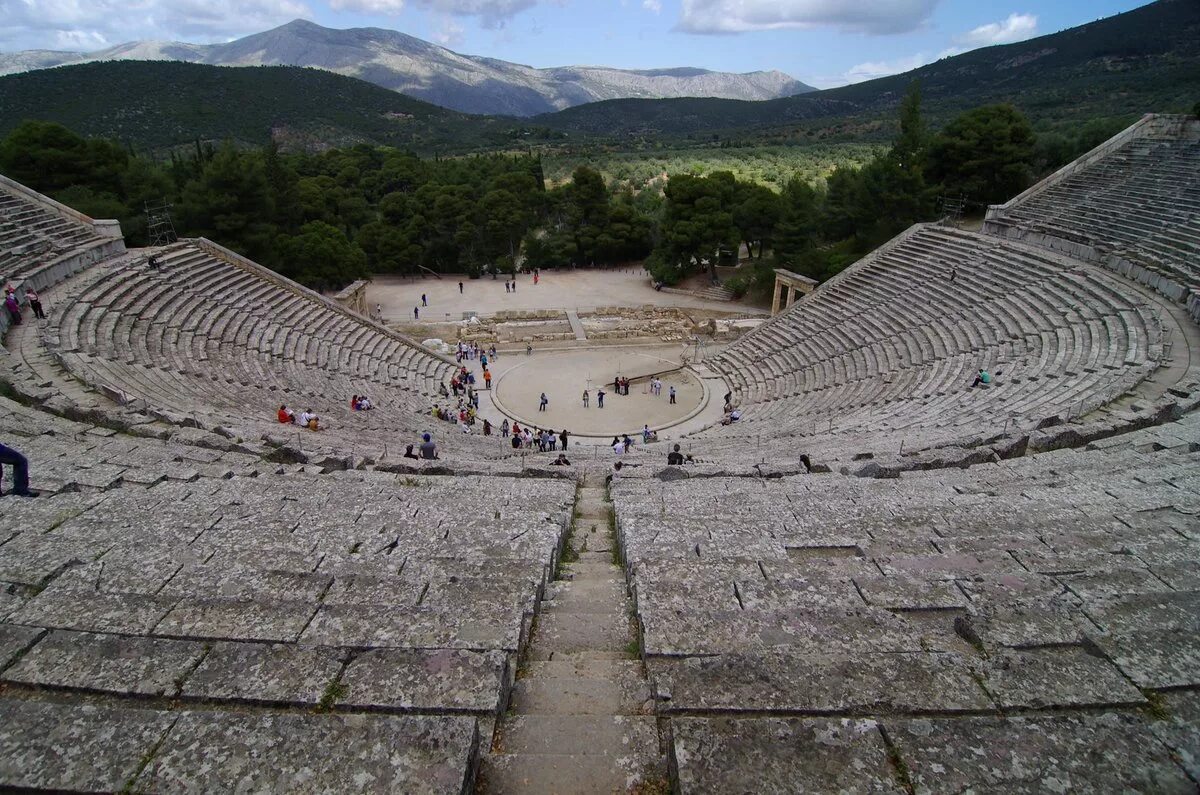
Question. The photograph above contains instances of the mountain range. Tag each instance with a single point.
(417, 68)
(1144, 60)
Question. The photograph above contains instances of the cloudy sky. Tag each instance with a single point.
(822, 42)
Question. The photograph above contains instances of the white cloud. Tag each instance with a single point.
(859, 16)
(449, 33)
(870, 70)
(89, 24)
(368, 6)
(491, 13)
(652, 5)
(1017, 27)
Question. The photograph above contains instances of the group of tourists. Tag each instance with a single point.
(13, 304)
(305, 419)
(544, 440)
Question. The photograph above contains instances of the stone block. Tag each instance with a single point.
(782, 681)
(781, 755)
(1067, 676)
(428, 680)
(260, 672)
(1106, 753)
(14, 640)
(1156, 660)
(109, 663)
(233, 752)
(234, 619)
(75, 747)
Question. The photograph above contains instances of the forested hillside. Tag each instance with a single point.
(328, 218)
(158, 104)
(1141, 61)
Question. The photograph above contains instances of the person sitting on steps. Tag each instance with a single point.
(675, 458)
(20, 465)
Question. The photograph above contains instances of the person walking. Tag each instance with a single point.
(544, 401)
(424, 302)
(35, 303)
(487, 380)
(563, 438)
(671, 394)
(14, 309)
(460, 288)
(416, 313)
(600, 398)
(585, 398)
(504, 428)
(20, 465)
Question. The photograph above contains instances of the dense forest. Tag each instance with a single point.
(326, 219)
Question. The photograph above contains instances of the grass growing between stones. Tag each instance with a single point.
(1156, 705)
(334, 692)
(900, 767)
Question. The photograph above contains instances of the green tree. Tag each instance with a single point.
(697, 223)
(986, 154)
(321, 256)
(799, 226)
(756, 213)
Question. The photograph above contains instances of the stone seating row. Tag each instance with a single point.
(234, 613)
(205, 339)
(30, 234)
(1140, 202)
(893, 344)
(1061, 586)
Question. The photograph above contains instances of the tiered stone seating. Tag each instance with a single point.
(42, 242)
(891, 345)
(211, 341)
(1132, 203)
(823, 633)
(334, 632)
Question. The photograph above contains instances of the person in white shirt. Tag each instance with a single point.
(619, 447)
(309, 420)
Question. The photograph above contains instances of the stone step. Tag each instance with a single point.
(562, 631)
(584, 570)
(567, 774)
(584, 735)
(611, 670)
(544, 695)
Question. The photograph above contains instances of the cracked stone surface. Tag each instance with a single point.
(75, 746)
(781, 755)
(227, 752)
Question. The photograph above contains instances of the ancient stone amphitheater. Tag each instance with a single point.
(983, 589)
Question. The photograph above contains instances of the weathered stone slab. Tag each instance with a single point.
(1097, 585)
(1056, 677)
(477, 627)
(245, 582)
(783, 681)
(93, 611)
(75, 747)
(232, 752)
(781, 755)
(1107, 753)
(230, 619)
(14, 640)
(711, 632)
(113, 663)
(1020, 625)
(277, 673)
(1154, 659)
(29, 562)
(1181, 730)
(903, 592)
(1166, 612)
(441, 680)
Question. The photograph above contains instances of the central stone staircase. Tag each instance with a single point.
(581, 719)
